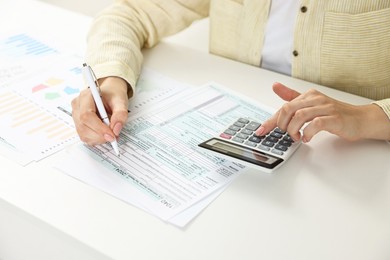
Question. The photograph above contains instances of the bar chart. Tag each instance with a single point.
(22, 46)
(31, 128)
(23, 54)
(35, 113)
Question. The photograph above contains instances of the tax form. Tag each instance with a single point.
(161, 168)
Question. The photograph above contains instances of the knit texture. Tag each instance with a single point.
(342, 44)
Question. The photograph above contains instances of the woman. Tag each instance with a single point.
(343, 44)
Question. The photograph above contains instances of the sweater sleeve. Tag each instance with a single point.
(119, 32)
(385, 105)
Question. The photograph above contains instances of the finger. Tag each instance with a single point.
(301, 117)
(90, 137)
(324, 123)
(92, 129)
(119, 106)
(118, 120)
(284, 92)
(267, 125)
(85, 134)
(288, 110)
(309, 99)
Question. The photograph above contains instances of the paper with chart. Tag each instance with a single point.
(161, 168)
(35, 113)
(23, 54)
(37, 83)
(30, 66)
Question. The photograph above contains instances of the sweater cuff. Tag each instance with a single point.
(385, 105)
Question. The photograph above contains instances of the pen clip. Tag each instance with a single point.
(95, 79)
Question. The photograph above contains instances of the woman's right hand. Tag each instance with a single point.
(89, 126)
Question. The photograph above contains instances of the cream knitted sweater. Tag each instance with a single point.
(343, 44)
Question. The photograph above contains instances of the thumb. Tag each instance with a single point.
(114, 93)
(119, 115)
(285, 93)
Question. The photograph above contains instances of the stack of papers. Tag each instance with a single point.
(161, 169)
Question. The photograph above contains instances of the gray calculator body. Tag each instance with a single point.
(238, 142)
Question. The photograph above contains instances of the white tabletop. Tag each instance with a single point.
(330, 201)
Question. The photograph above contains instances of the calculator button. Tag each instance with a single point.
(276, 152)
(281, 147)
(276, 135)
(288, 138)
(225, 136)
(230, 132)
(264, 148)
(243, 120)
(243, 136)
(239, 124)
(246, 131)
(252, 126)
(259, 136)
(272, 139)
(280, 131)
(234, 128)
(251, 143)
(268, 143)
(238, 140)
(255, 139)
(285, 143)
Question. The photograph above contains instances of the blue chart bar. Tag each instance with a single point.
(76, 70)
(22, 45)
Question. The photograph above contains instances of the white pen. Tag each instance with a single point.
(89, 76)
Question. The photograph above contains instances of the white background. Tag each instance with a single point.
(87, 7)
(330, 201)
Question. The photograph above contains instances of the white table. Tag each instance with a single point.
(330, 201)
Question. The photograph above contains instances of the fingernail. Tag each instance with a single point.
(108, 138)
(260, 131)
(117, 128)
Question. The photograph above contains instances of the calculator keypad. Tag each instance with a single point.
(243, 131)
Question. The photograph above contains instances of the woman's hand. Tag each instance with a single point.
(89, 126)
(322, 113)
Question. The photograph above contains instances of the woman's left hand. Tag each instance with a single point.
(322, 113)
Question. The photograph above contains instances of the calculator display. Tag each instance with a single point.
(242, 153)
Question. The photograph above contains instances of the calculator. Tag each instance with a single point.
(238, 142)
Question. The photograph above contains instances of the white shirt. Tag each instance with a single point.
(279, 36)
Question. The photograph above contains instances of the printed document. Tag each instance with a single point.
(161, 168)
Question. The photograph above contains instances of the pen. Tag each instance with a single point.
(91, 81)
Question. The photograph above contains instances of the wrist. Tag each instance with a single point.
(114, 84)
(375, 123)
